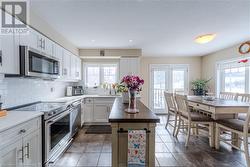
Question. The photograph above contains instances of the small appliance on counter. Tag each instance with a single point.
(69, 91)
(74, 91)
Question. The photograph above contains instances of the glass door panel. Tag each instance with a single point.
(171, 78)
(159, 84)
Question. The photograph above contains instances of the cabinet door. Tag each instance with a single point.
(58, 54)
(32, 40)
(9, 62)
(47, 46)
(100, 113)
(129, 66)
(12, 154)
(78, 68)
(66, 64)
(32, 151)
(88, 112)
(73, 66)
(82, 114)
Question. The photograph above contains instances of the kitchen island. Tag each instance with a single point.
(121, 122)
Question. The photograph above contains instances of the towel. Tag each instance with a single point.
(136, 148)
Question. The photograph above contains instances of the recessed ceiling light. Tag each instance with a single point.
(130, 40)
(92, 40)
(205, 38)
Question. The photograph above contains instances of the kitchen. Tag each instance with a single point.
(62, 94)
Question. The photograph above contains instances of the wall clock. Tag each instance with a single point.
(244, 48)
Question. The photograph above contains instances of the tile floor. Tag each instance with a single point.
(95, 150)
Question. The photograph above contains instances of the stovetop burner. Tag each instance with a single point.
(49, 109)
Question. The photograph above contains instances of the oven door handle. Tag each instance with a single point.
(49, 122)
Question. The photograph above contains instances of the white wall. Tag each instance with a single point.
(18, 91)
(194, 70)
(208, 63)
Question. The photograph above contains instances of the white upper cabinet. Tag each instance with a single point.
(78, 68)
(37, 41)
(129, 66)
(66, 65)
(75, 67)
(9, 49)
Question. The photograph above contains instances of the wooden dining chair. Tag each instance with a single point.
(171, 107)
(192, 118)
(240, 127)
(227, 95)
(243, 97)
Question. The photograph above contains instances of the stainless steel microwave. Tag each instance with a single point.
(36, 64)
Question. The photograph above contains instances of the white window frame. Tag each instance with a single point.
(219, 83)
(170, 68)
(101, 72)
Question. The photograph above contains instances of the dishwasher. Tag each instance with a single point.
(75, 117)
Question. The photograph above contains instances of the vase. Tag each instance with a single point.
(132, 102)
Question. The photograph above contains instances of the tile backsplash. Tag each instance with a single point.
(18, 91)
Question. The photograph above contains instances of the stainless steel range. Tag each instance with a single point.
(57, 127)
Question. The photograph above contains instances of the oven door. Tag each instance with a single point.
(57, 134)
(36, 64)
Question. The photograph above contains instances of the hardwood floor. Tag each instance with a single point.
(95, 150)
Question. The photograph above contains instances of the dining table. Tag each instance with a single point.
(219, 109)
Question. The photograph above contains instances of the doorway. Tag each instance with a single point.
(166, 77)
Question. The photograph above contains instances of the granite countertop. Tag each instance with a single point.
(14, 118)
(118, 114)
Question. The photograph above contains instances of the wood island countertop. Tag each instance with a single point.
(118, 114)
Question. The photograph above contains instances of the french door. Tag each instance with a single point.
(170, 78)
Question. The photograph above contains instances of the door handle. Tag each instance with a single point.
(22, 158)
(27, 150)
(1, 57)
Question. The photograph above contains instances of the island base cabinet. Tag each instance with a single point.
(120, 143)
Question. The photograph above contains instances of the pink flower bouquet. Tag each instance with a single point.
(132, 82)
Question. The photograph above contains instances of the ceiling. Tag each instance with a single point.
(158, 27)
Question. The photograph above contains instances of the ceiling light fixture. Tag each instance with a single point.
(202, 39)
(92, 40)
(130, 40)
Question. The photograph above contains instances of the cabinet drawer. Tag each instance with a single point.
(104, 100)
(88, 101)
(202, 107)
(20, 130)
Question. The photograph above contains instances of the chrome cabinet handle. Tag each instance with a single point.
(22, 131)
(40, 43)
(44, 44)
(1, 58)
(22, 158)
(27, 150)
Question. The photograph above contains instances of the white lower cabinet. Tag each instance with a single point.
(101, 112)
(88, 113)
(21, 145)
(97, 110)
(31, 147)
(11, 155)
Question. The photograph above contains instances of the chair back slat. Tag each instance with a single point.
(247, 122)
(170, 101)
(182, 106)
(243, 97)
(227, 95)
